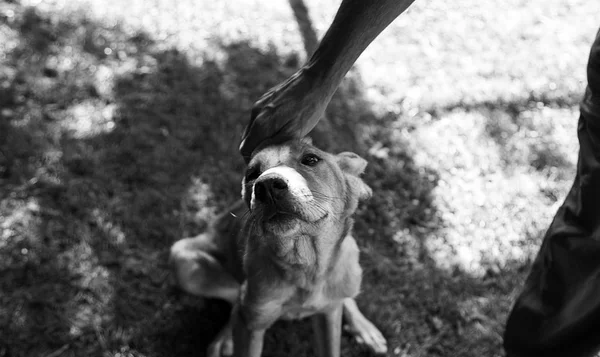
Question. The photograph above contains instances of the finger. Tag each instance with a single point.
(261, 128)
(374, 345)
(250, 141)
(378, 336)
(251, 138)
(379, 344)
(214, 350)
(227, 348)
(272, 130)
(379, 348)
(351, 330)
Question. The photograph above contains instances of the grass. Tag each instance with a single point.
(119, 126)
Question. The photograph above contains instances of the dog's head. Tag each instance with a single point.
(292, 185)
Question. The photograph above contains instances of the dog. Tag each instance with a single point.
(285, 251)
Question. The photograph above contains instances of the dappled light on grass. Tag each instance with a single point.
(197, 202)
(96, 174)
(495, 196)
(122, 152)
(119, 126)
(446, 54)
(86, 119)
(19, 231)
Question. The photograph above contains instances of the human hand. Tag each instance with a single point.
(287, 111)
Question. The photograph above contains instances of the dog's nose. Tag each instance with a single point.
(270, 187)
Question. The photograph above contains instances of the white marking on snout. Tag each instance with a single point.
(274, 155)
(252, 200)
(296, 183)
(244, 188)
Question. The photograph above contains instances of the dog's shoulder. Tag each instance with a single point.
(227, 236)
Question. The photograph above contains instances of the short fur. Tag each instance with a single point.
(285, 253)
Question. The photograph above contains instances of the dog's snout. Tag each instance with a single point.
(282, 188)
(278, 184)
(271, 187)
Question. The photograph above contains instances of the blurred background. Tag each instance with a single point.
(119, 128)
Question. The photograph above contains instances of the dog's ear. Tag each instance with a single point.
(359, 187)
(351, 163)
(353, 166)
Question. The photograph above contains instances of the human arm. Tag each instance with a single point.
(293, 108)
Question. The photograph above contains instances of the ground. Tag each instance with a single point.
(119, 127)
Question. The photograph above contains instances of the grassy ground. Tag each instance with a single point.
(119, 123)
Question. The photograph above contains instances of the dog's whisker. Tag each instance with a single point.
(324, 196)
(245, 215)
(290, 233)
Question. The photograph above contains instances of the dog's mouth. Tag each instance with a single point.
(286, 217)
(281, 218)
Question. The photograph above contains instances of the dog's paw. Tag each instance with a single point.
(222, 346)
(365, 333)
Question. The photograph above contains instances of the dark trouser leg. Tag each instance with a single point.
(558, 312)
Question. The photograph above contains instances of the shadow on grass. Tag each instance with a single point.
(112, 150)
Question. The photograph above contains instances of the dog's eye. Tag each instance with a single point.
(252, 174)
(310, 160)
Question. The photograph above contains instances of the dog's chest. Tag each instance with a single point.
(305, 303)
(342, 282)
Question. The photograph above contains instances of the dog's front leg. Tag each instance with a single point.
(258, 308)
(327, 328)
(247, 341)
